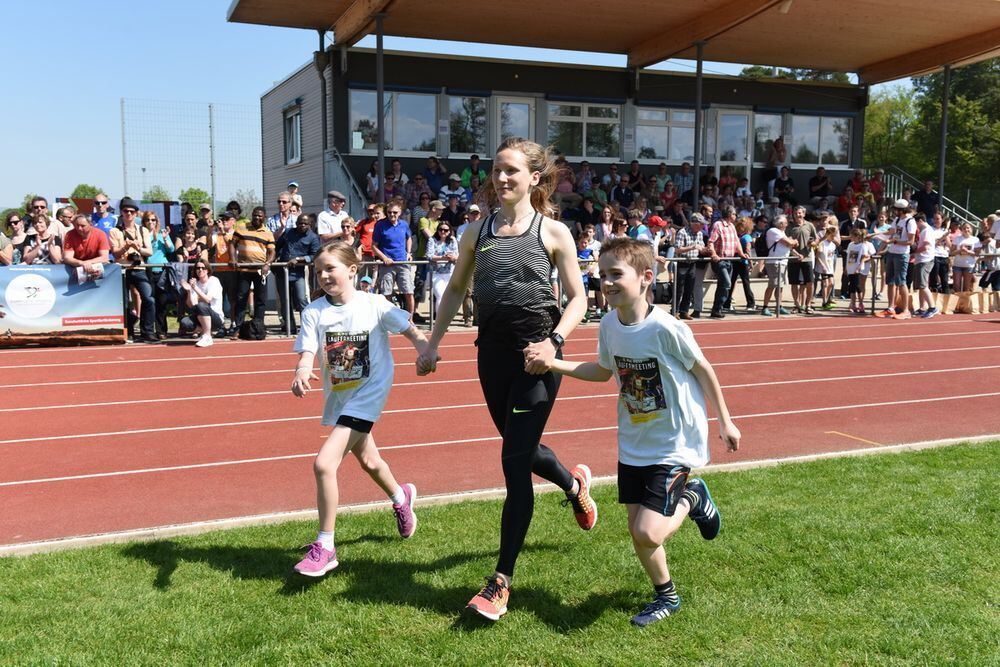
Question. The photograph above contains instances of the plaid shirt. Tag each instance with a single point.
(686, 237)
(724, 239)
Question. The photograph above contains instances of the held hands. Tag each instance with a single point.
(301, 384)
(730, 435)
(427, 358)
(538, 357)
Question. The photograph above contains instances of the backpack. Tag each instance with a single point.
(253, 330)
(760, 246)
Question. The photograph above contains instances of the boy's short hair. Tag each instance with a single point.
(857, 232)
(637, 254)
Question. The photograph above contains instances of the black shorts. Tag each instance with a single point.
(355, 424)
(592, 283)
(657, 487)
(799, 273)
(854, 283)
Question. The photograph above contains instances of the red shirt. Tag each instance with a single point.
(724, 239)
(86, 248)
(365, 230)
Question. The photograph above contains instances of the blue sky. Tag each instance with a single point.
(65, 70)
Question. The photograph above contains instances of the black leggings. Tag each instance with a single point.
(519, 405)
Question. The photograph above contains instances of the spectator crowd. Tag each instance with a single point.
(210, 269)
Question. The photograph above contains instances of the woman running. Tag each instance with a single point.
(511, 255)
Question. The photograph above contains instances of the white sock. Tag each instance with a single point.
(398, 498)
(325, 538)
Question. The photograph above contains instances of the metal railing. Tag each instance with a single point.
(896, 179)
(339, 177)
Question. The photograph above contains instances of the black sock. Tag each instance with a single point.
(666, 590)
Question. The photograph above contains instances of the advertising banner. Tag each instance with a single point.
(53, 304)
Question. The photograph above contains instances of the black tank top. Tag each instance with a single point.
(514, 299)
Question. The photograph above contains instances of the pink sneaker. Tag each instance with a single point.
(317, 561)
(406, 520)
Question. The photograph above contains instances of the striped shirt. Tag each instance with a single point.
(252, 245)
(511, 287)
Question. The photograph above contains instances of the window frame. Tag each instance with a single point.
(292, 115)
(586, 119)
(819, 141)
(391, 102)
(486, 138)
(669, 123)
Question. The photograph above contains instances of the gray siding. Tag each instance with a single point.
(304, 85)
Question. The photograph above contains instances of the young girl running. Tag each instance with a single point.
(521, 329)
(351, 329)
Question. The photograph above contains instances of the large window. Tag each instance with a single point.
(293, 136)
(585, 130)
(467, 124)
(664, 134)
(766, 128)
(820, 140)
(410, 122)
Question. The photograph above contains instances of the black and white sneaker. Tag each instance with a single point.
(706, 514)
(657, 610)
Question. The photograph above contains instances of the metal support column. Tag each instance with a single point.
(696, 189)
(944, 131)
(380, 104)
(124, 158)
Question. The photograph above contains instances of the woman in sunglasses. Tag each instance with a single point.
(161, 278)
(16, 235)
(204, 302)
(442, 252)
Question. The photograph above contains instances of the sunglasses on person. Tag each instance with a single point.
(444, 229)
(200, 267)
(39, 206)
(16, 222)
(283, 201)
(98, 202)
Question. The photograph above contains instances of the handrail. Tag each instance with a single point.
(358, 197)
(897, 178)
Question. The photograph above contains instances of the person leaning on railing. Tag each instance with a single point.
(251, 244)
(130, 245)
(160, 276)
(85, 247)
(44, 246)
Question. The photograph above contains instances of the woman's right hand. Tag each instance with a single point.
(301, 386)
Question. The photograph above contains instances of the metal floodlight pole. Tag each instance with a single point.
(696, 188)
(124, 159)
(380, 103)
(944, 131)
(211, 149)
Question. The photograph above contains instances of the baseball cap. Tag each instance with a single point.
(454, 177)
(474, 207)
(367, 279)
(293, 184)
(698, 217)
(205, 207)
(336, 194)
(227, 215)
(437, 203)
(901, 204)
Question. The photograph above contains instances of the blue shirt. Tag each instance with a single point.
(105, 224)
(163, 247)
(293, 244)
(391, 239)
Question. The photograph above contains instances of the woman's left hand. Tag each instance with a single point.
(538, 356)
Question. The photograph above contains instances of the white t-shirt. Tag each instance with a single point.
(971, 243)
(903, 230)
(940, 250)
(929, 236)
(995, 229)
(661, 408)
(328, 222)
(990, 248)
(856, 252)
(778, 249)
(826, 257)
(356, 361)
(213, 290)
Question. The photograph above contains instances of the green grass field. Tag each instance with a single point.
(879, 559)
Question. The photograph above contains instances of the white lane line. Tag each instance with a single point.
(848, 356)
(410, 384)
(467, 361)
(598, 429)
(452, 334)
(436, 408)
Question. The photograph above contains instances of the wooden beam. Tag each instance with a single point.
(678, 38)
(963, 51)
(357, 21)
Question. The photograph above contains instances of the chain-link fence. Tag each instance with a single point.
(175, 146)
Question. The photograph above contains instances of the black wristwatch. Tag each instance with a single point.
(557, 340)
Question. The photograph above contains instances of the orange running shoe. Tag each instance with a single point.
(584, 507)
(491, 601)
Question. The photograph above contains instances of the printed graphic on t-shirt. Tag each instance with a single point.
(347, 359)
(641, 388)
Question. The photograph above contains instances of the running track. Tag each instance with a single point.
(98, 440)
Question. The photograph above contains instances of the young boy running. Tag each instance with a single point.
(663, 380)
